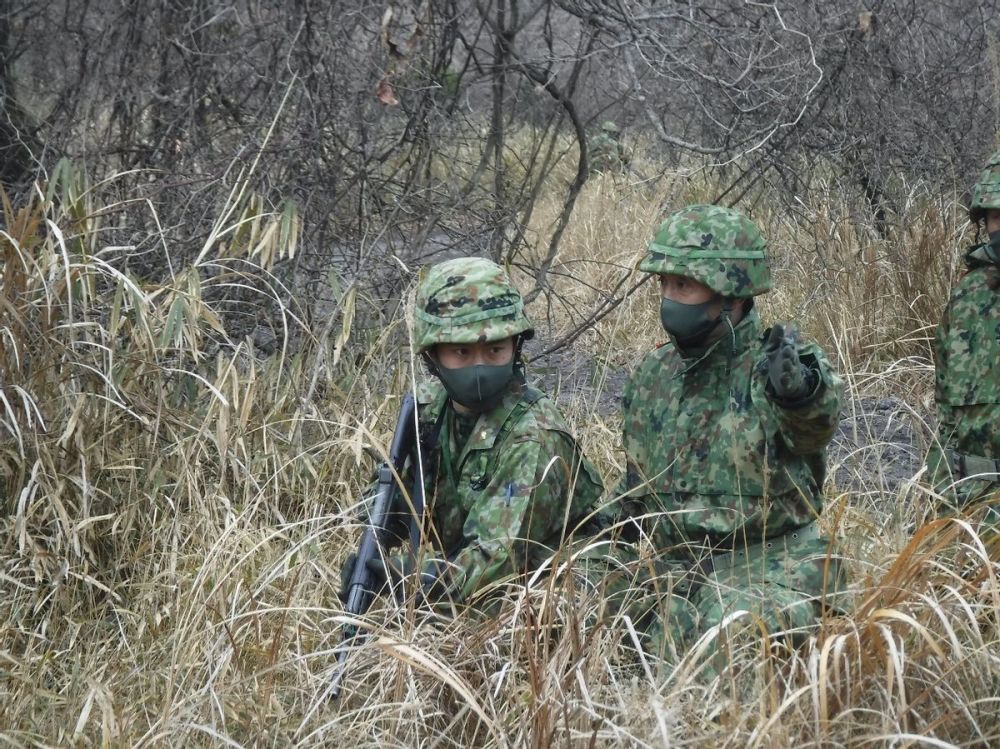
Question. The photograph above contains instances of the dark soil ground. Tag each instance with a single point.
(880, 445)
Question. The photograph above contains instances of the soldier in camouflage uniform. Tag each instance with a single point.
(607, 152)
(505, 481)
(725, 428)
(965, 463)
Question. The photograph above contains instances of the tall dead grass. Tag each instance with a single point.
(176, 509)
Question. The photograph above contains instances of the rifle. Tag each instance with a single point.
(361, 588)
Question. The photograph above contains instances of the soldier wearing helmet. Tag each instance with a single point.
(965, 461)
(505, 481)
(725, 428)
(607, 152)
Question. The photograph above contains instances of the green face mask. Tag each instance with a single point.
(479, 387)
(688, 324)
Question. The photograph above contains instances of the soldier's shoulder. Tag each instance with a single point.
(975, 292)
(429, 393)
(652, 364)
(660, 355)
(539, 421)
(985, 278)
(542, 413)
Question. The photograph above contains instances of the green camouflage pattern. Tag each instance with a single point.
(967, 387)
(717, 246)
(610, 126)
(516, 479)
(467, 300)
(986, 192)
(673, 602)
(713, 461)
(606, 151)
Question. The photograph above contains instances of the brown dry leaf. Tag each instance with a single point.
(385, 93)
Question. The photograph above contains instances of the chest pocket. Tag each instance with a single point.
(452, 503)
(717, 439)
(451, 506)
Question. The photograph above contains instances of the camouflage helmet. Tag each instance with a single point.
(986, 192)
(467, 300)
(717, 246)
(610, 127)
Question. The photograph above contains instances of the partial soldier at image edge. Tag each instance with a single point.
(964, 461)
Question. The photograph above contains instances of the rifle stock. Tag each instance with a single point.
(361, 588)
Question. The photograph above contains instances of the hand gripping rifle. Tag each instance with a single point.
(361, 589)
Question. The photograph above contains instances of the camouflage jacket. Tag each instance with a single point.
(608, 154)
(708, 446)
(517, 486)
(967, 355)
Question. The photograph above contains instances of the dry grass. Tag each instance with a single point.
(176, 510)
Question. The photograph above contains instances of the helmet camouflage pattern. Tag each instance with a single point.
(717, 246)
(986, 192)
(467, 300)
(609, 126)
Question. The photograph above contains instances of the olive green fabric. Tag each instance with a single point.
(707, 444)
(477, 387)
(986, 191)
(502, 498)
(967, 383)
(672, 601)
(467, 300)
(714, 461)
(688, 324)
(717, 246)
(606, 151)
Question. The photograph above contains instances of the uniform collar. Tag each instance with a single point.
(489, 423)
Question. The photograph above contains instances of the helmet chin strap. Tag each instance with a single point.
(698, 351)
(727, 316)
(518, 361)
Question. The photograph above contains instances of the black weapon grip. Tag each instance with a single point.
(361, 588)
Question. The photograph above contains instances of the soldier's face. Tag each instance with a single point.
(992, 220)
(684, 290)
(457, 355)
(688, 291)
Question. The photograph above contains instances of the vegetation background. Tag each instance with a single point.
(213, 214)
